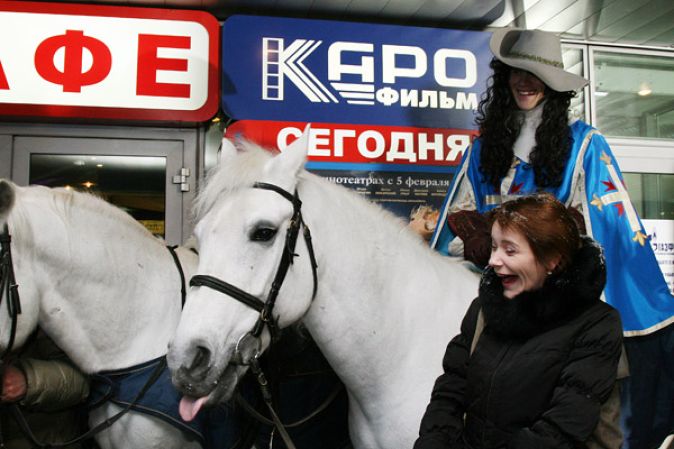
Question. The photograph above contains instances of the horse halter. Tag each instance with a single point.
(8, 286)
(266, 308)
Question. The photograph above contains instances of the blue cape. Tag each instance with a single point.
(635, 285)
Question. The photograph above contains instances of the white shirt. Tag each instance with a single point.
(526, 141)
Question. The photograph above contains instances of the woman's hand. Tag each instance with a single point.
(13, 384)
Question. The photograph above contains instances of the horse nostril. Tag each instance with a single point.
(201, 358)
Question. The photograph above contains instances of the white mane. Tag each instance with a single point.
(247, 168)
(363, 218)
(72, 208)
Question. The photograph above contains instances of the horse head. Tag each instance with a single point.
(18, 309)
(245, 212)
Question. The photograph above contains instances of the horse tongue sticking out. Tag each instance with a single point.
(189, 407)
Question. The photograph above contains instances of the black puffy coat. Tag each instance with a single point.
(545, 362)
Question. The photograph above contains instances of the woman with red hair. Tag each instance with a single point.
(547, 358)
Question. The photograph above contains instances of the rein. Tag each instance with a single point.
(266, 308)
(8, 287)
(264, 420)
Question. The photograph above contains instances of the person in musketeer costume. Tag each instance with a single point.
(527, 144)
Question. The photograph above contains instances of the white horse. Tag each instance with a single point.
(385, 308)
(101, 286)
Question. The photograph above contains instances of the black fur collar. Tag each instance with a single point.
(563, 296)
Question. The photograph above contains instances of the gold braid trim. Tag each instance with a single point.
(515, 54)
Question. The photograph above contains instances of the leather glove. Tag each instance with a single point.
(473, 228)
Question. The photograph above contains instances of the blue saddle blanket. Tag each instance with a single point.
(161, 400)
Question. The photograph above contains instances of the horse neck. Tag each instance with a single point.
(380, 286)
(109, 294)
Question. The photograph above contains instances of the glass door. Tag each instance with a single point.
(134, 174)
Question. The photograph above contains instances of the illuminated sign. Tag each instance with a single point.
(339, 72)
(419, 149)
(67, 60)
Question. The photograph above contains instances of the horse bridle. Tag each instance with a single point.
(266, 308)
(8, 287)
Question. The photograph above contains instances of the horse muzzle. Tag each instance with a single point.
(198, 372)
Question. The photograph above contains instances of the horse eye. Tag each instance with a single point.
(263, 234)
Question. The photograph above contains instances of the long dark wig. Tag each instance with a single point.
(500, 125)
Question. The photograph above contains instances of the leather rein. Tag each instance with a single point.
(266, 308)
(9, 289)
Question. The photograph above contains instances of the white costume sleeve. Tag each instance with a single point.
(464, 198)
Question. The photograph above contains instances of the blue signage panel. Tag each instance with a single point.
(341, 72)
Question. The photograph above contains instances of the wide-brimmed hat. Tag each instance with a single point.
(538, 52)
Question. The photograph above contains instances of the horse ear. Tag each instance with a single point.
(227, 151)
(292, 159)
(7, 196)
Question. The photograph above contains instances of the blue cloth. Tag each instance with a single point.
(211, 427)
(635, 285)
(304, 382)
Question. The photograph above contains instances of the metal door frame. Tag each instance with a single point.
(643, 155)
(178, 223)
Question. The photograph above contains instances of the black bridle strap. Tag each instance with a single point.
(8, 287)
(284, 193)
(287, 257)
(176, 260)
(265, 308)
(204, 280)
(312, 257)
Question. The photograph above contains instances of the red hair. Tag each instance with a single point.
(545, 223)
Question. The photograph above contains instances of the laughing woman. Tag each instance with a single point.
(537, 375)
